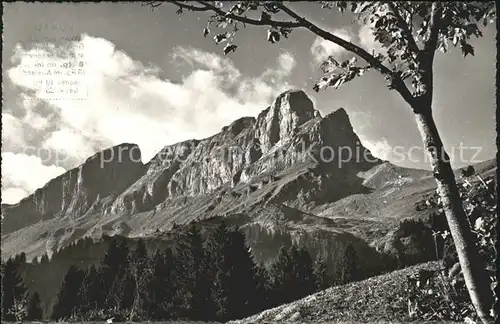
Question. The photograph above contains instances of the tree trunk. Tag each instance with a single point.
(476, 278)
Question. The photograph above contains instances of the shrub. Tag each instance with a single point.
(443, 294)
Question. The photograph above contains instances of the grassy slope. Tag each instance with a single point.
(372, 300)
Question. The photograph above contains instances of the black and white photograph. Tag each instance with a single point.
(249, 162)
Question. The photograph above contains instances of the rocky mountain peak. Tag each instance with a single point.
(280, 121)
(283, 138)
(295, 102)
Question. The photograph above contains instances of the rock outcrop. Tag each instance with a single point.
(73, 193)
(289, 155)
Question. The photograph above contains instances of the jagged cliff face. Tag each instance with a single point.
(277, 168)
(75, 192)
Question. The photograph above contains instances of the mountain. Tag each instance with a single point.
(273, 176)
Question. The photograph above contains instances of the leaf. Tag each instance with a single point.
(404, 76)
(273, 36)
(265, 17)
(285, 31)
(237, 9)
(223, 24)
(443, 45)
(342, 5)
(220, 38)
(467, 49)
(271, 6)
(229, 48)
(206, 31)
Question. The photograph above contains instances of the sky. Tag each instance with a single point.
(151, 78)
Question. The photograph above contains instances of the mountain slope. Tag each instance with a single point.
(379, 298)
(270, 174)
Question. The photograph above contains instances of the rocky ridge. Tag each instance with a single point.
(277, 170)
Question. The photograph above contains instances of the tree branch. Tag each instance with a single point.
(184, 5)
(432, 31)
(207, 6)
(404, 27)
(396, 81)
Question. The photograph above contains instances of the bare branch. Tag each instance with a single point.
(396, 82)
(405, 28)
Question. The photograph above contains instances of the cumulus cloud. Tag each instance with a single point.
(22, 174)
(120, 99)
(379, 148)
(13, 195)
(70, 146)
(12, 132)
(322, 48)
(367, 40)
(366, 37)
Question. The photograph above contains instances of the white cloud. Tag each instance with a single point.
(367, 40)
(286, 62)
(68, 145)
(12, 132)
(379, 148)
(366, 37)
(24, 173)
(13, 195)
(122, 100)
(322, 48)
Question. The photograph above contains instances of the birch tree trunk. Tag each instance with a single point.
(476, 278)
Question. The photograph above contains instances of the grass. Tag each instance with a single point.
(375, 300)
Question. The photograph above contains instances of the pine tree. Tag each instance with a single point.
(118, 294)
(88, 293)
(161, 287)
(243, 276)
(218, 268)
(192, 289)
(282, 278)
(292, 275)
(141, 268)
(263, 289)
(67, 298)
(34, 311)
(304, 273)
(321, 274)
(113, 268)
(20, 259)
(13, 289)
(413, 79)
(348, 269)
(44, 259)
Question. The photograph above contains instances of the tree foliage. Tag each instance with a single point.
(209, 277)
(409, 33)
(67, 299)
(445, 297)
(13, 289)
(34, 311)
